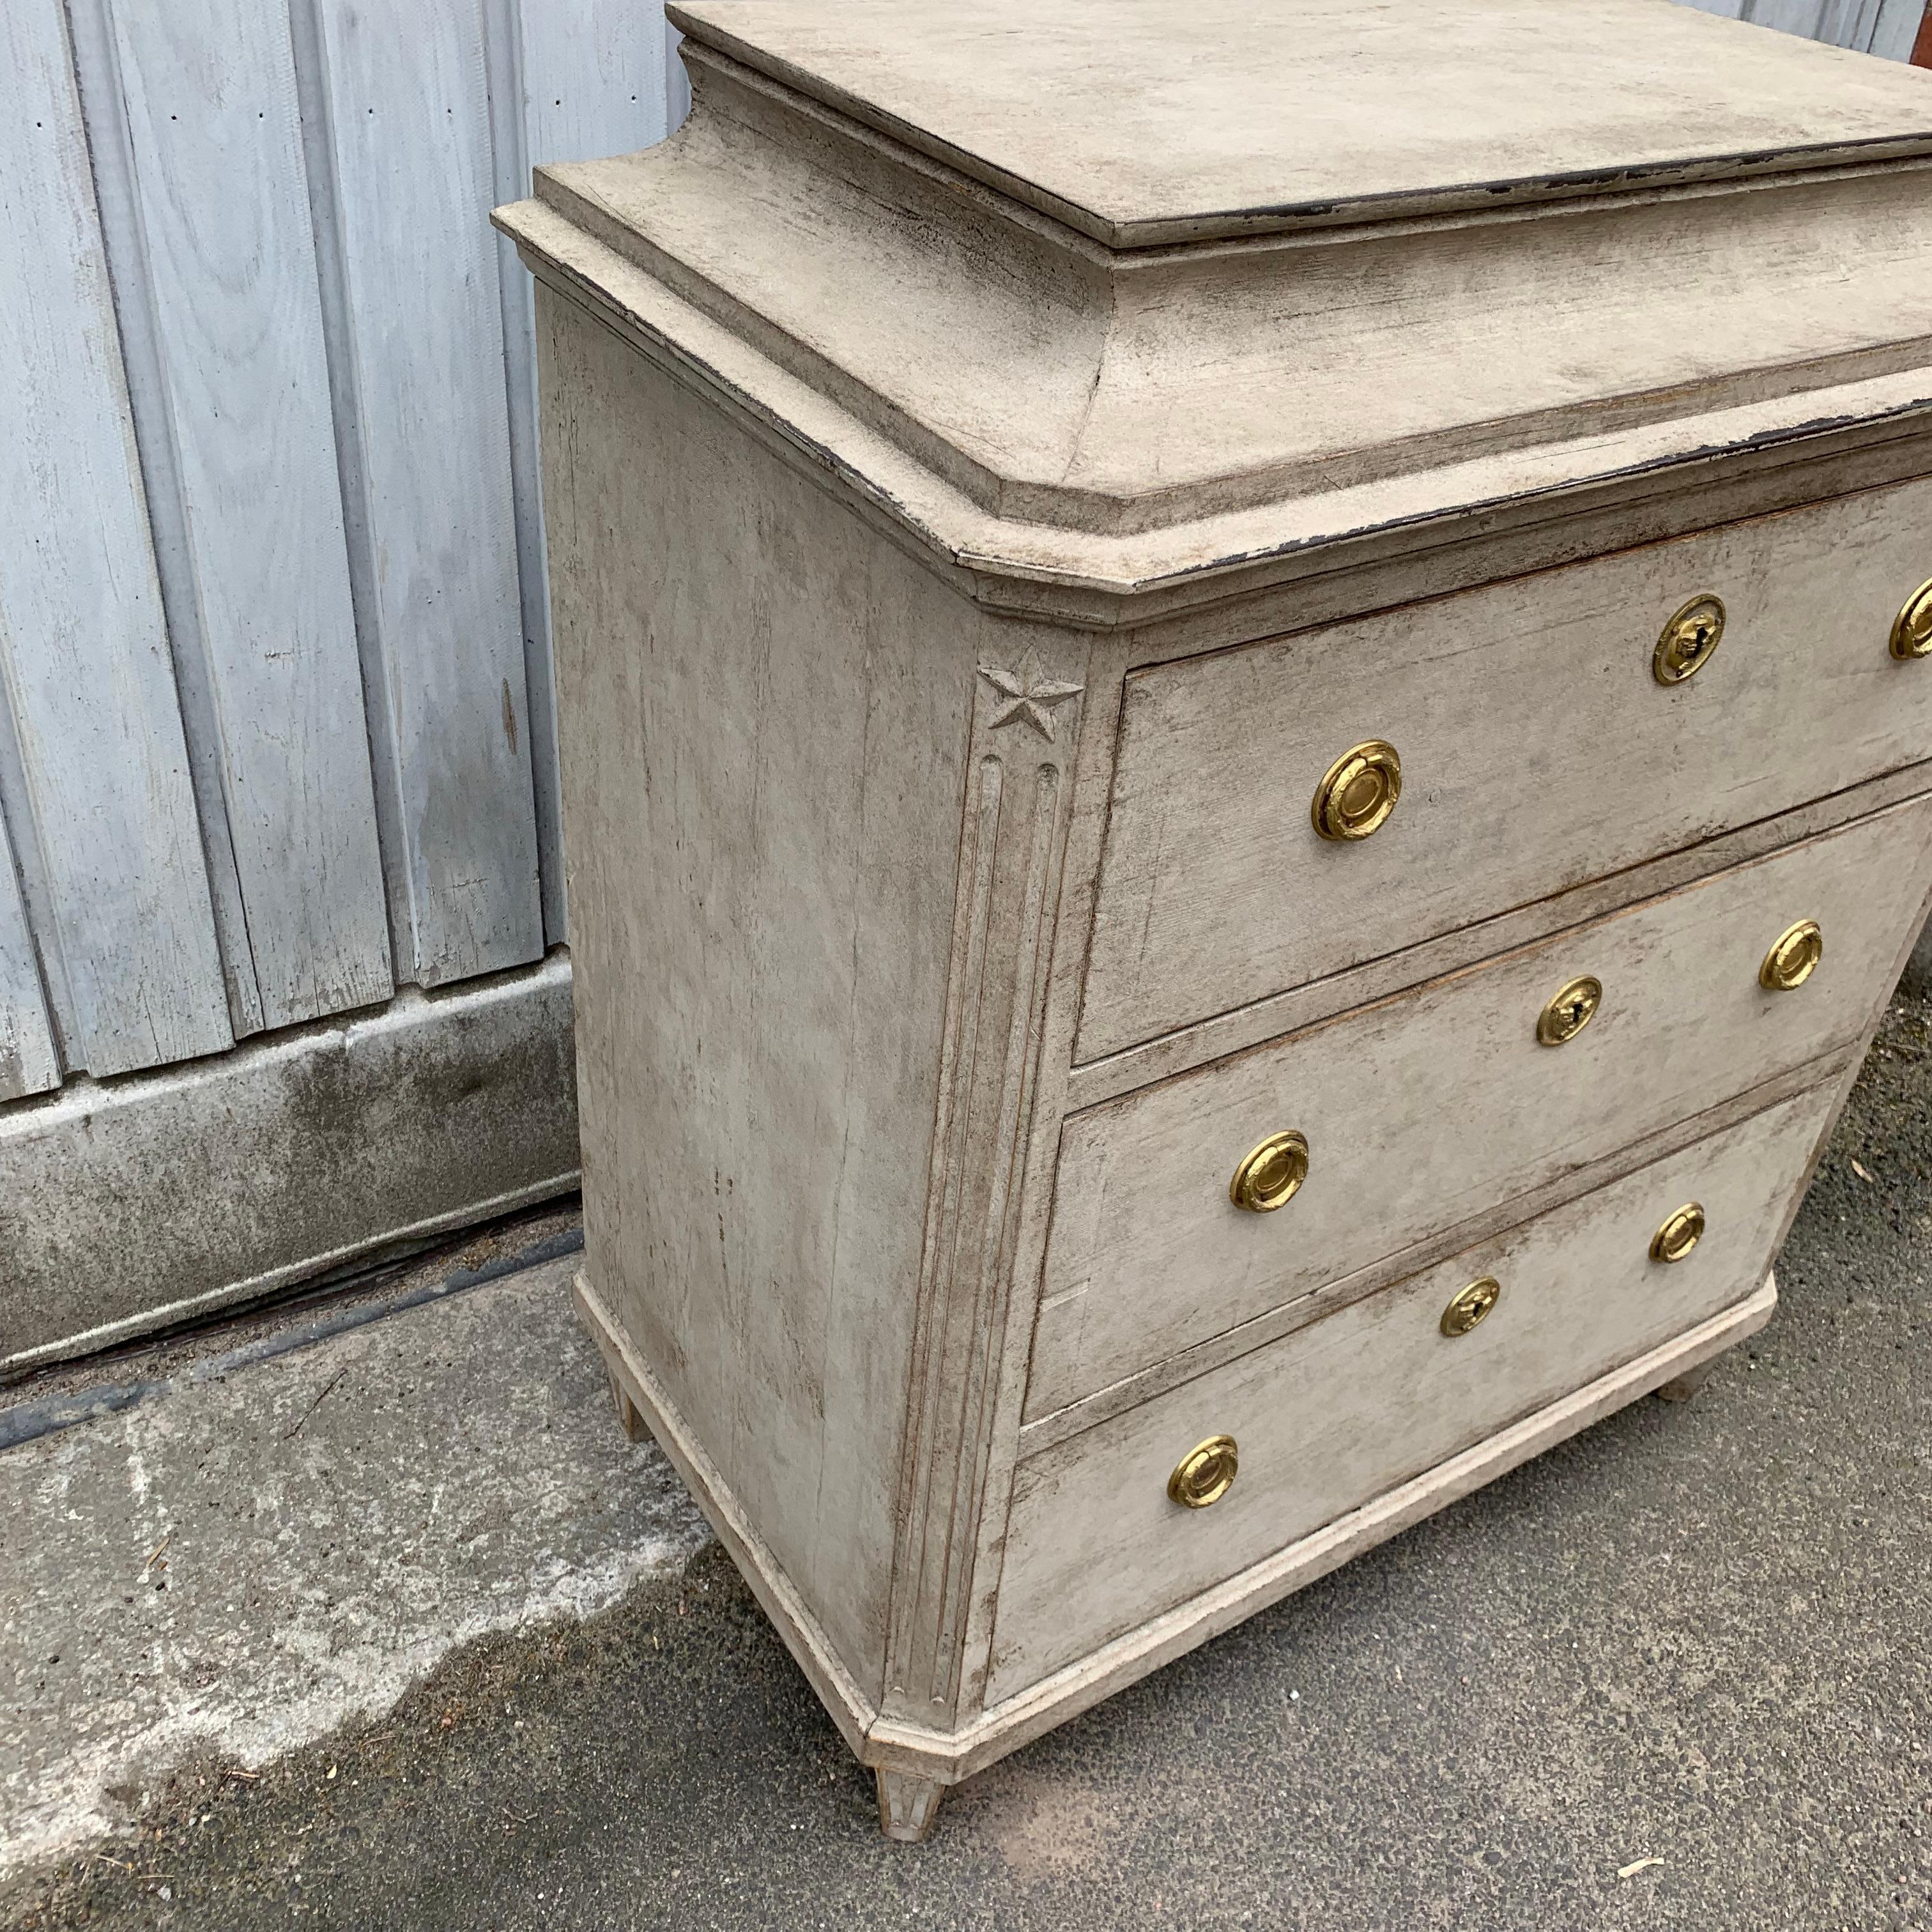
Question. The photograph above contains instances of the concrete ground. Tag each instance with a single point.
(1673, 1674)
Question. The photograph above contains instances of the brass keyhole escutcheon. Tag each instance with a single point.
(1270, 1175)
(1358, 791)
(1911, 629)
(1688, 641)
(1205, 1473)
(1793, 957)
(1471, 1305)
(1680, 1232)
(1571, 1009)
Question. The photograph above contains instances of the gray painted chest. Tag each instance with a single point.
(1246, 746)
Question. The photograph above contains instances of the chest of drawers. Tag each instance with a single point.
(1247, 747)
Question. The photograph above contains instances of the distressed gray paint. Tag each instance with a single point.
(262, 622)
(1886, 28)
(95, 782)
(28, 1062)
(408, 142)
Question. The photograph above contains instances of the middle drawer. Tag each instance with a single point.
(1441, 1102)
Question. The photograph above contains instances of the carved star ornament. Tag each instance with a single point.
(1026, 694)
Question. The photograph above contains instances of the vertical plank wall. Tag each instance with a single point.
(277, 747)
(1886, 28)
(94, 776)
(276, 744)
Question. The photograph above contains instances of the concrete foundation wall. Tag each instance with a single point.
(130, 1205)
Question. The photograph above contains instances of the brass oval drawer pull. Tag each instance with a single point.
(1680, 1232)
(1571, 1009)
(1911, 629)
(1471, 1305)
(1358, 791)
(1270, 1175)
(1205, 1473)
(1793, 957)
(1689, 641)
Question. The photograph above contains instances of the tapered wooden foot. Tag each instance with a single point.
(908, 1805)
(629, 1420)
(1687, 1385)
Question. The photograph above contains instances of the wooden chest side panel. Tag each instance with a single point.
(1338, 1413)
(1511, 706)
(763, 720)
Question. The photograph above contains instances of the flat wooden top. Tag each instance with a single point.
(1142, 122)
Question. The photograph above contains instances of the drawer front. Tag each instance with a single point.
(1338, 1413)
(1538, 751)
(1440, 1103)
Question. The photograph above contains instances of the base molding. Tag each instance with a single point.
(916, 1758)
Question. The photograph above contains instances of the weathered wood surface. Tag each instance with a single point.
(244, 272)
(1444, 953)
(1886, 28)
(210, 96)
(575, 79)
(1027, 715)
(431, 512)
(1509, 706)
(629, 1418)
(1348, 1409)
(764, 724)
(99, 806)
(96, 61)
(851, 1706)
(1027, 564)
(29, 1063)
(277, 194)
(1041, 1431)
(1078, 1686)
(1310, 113)
(908, 1804)
(1431, 1106)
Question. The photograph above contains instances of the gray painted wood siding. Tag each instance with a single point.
(100, 808)
(238, 429)
(1886, 28)
(277, 736)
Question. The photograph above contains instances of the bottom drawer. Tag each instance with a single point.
(1331, 1417)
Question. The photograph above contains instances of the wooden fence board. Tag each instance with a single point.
(28, 1062)
(1895, 28)
(210, 98)
(1886, 28)
(102, 778)
(409, 129)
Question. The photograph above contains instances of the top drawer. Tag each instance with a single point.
(1538, 751)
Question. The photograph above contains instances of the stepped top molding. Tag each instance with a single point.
(1113, 294)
